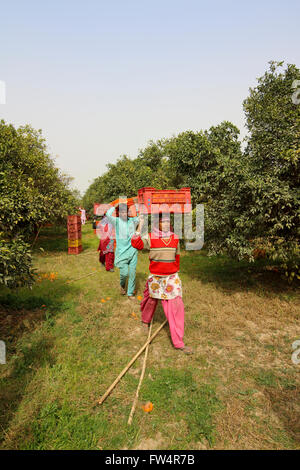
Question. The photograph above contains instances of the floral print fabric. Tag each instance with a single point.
(164, 287)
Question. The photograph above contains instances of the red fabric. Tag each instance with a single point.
(107, 260)
(137, 242)
(156, 242)
(103, 244)
(106, 233)
(156, 267)
(164, 269)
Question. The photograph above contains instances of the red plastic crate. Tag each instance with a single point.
(74, 219)
(74, 235)
(74, 250)
(74, 227)
(150, 198)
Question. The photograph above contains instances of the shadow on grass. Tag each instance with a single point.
(231, 276)
(285, 404)
(27, 347)
(55, 239)
(283, 393)
(51, 239)
(13, 386)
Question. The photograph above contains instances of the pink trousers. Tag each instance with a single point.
(174, 311)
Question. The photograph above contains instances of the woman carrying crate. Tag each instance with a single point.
(163, 282)
(105, 232)
(125, 254)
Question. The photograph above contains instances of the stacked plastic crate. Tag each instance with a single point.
(155, 200)
(74, 235)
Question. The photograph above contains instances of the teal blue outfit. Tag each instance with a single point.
(125, 256)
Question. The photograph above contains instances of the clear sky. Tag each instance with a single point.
(102, 78)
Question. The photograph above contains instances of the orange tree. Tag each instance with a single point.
(251, 196)
(32, 192)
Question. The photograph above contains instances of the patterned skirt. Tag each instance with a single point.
(164, 287)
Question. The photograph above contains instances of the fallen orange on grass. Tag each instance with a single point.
(103, 300)
(139, 297)
(148, 407)
(107, 298)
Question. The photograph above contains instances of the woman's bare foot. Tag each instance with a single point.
(122, 290)
(131, 298)
(145, 327)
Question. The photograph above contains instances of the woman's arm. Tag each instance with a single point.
(109, 216)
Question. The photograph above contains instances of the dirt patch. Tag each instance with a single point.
(152, 444)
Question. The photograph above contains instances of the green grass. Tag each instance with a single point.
(180, 397)
(65, 347)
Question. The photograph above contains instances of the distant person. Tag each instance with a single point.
(125, 255)
(105, 231)
(83, 216)
(163, 282)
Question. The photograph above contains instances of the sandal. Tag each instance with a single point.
(186, 350)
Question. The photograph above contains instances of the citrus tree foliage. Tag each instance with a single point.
(127, 176)
(199, 159)
(15, 263)
(32, 192)
(260, 197)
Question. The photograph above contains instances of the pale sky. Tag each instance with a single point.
(101, 79)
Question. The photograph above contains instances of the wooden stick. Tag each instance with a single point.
(141, 379)
(129, 364)
(86, 275)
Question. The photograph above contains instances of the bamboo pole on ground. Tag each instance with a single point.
(86, 275)
(99, 402)
(141, 379)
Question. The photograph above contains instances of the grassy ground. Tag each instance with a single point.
(67, 341)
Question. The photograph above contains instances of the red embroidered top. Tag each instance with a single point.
(164, 253)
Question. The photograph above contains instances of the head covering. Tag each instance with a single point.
(159, 233)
